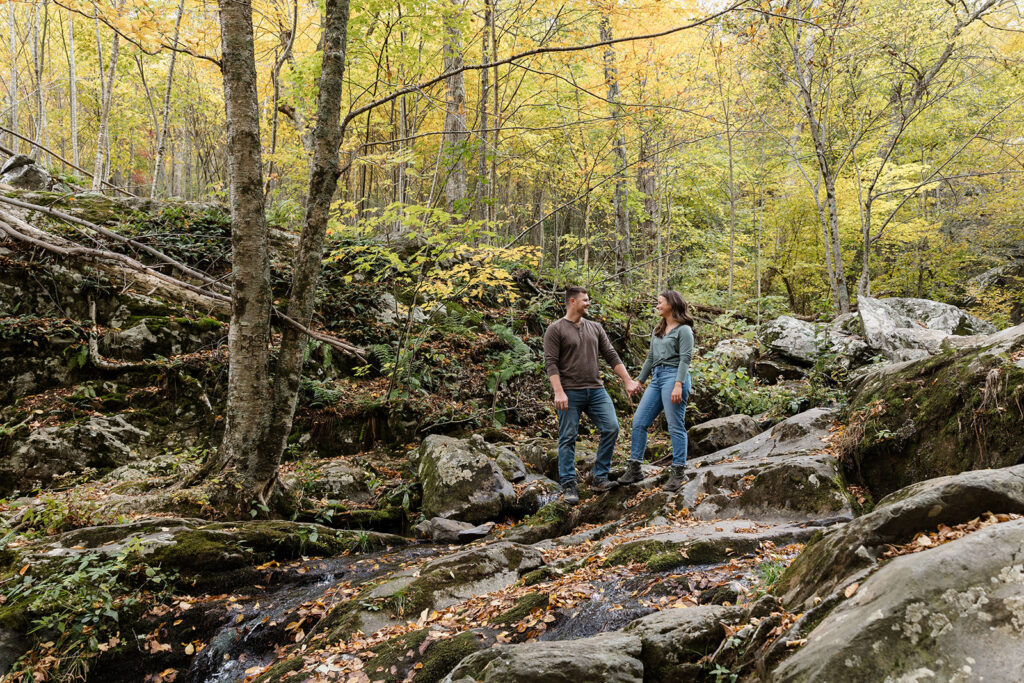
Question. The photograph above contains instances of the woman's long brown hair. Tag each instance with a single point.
(680, 312)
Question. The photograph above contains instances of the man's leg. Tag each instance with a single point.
(568, 428)
(602, 411)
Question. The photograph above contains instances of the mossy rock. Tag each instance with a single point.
(280, 670)
(540, 575)
(663, 562)
(398, 656)
(522, 609)
(637, 552)
(950, 413)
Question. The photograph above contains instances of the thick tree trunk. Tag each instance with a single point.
(247, 414)
(611, 77)
(455, 130)
(323, 181)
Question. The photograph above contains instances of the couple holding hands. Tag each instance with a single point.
(572, 347)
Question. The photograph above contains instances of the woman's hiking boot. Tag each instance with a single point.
(676, 479)
(633, 473)
(601, 484)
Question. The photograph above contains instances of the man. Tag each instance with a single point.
(571, 348)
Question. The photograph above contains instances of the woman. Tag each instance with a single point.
(667, 364)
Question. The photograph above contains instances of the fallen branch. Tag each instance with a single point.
(68, 218)
(19, 230)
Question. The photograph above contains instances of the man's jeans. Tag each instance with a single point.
(658, 397)
(597, 404)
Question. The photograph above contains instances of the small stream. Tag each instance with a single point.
(250, 638)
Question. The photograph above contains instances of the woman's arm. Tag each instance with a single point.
(685, 352)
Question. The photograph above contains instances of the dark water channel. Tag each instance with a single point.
(251, 641)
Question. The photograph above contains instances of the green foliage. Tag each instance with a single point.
(317, 393)
(737, 391)
(768, 572)
(78, 604)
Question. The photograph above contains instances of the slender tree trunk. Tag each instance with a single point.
(482, 188)
(73, 88)
(455, 130)
(247, 417)
(103, 139)
(12, 10)
(38, 57)
(323, 182)
(647, 183)
(611, 77)
(161, 140)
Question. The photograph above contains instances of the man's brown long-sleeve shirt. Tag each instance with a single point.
(571, 352)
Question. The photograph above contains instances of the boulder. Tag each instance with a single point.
(335, 479)
(910, 329)
(830, 561)
(951, 613)
(783, 473)
(794, 339)
(956, 411)
(714, 435)
(607, 657)
(162, 335)
(441, 530)
(736, 353)
(705, 543)
(390, 312)
(450, 579)
(939, 316)
(461, 482)
(12, 646)
(537, 492)
(23, 173)
(675, 640)
(773, 371)
(99, 442)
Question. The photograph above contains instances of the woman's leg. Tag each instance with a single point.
(675, 416)
(643, 418)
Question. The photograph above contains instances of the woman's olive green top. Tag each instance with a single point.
(674, 349)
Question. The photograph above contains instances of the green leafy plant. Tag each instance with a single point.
(77, 605)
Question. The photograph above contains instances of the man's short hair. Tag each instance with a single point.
(574, 293)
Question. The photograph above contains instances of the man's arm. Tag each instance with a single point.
(552, 350)
(606, 349)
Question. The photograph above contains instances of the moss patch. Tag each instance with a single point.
(521, 609)
(280, 670)
(953, 412)
(665, 561)
(637, 551)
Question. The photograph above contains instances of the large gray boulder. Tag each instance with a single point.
(783, 473)
(736, 353)
(714, 435)
(675, 640)
(794, 339)
(910, 329)
(608, 657)
(461, 481)
(99, 443)
(952, 613)
(830, 561)
(956, 411)
(23, 173)
(335, 479)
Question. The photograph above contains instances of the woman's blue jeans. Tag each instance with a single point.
(658, 397)
(597, 404)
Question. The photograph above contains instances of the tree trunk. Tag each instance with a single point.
(12, 91)
(323, 181)
(455, 130)
(480, 200)
(247, 417)
(73, 88)
(161, 140)
(647, 183)
(103, 139)
(611, 78)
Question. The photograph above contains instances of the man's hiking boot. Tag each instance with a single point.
(569, 493)
(677, 478)
(633, 473)
(601, 484)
